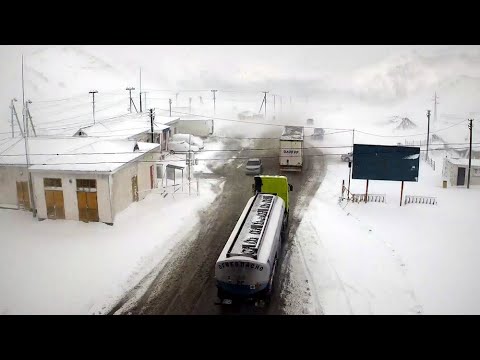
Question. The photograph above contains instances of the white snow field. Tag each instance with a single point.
(70, 267)
(383, 258)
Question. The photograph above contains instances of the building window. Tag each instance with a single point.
(52, 183)
(87, 185)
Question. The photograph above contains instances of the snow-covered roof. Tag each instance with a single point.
(73, 153)
(464, 162)
(124, 127)
(292, 133)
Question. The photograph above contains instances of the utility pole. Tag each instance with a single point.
(435, 103)
(16, 117)
(428, 130)
(141, 90)
(30, 116)
(176, 99)
(93, 92)
(25, 124)
(190, 105)
(350, 165)
(189, 161)
(12, 112)
(170, 104)
(214, 110)
(265, 100)
(130, 91)
(145, 98)
(274, 96)
(470, 126)
(151, 124)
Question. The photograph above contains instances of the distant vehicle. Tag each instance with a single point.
(254, 167)
(188, 138)
(309, 121)
(291, 149)
(250, 115)
(347, 157)
(318, 133)
(245, 269)
(181, 147)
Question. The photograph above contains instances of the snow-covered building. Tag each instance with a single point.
(131, 127)
(455, 171)
(77, 178)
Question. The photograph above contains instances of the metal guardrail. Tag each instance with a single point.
(357, 198)
(412, 199)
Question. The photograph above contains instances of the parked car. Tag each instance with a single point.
(254, 167)
(347, 157)
(194, 140)
(181, 147)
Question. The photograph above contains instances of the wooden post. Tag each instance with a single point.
(401, 195)
(366, 193)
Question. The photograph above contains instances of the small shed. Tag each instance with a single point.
(455, 171)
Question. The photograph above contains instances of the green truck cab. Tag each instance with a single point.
(272, 184)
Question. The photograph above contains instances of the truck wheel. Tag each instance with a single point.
(271, 283)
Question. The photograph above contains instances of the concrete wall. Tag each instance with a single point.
(69, 187)
(9, 175)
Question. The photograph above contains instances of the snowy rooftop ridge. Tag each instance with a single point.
(73, 153)
(125, 126)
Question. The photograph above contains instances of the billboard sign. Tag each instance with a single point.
(380, 162)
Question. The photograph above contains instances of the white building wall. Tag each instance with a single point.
(69, 188)
(122, 181)
(9, 175)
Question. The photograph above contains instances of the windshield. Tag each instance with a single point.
(253, 162)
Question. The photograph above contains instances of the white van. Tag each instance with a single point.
(194, 140)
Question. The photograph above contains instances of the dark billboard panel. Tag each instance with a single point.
(379, 162)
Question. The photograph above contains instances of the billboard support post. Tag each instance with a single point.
(401, 194)
(366, 192)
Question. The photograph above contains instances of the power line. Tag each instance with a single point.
(213, 150)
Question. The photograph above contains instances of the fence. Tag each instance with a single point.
(411, 199)
(429, 161)
(357, 198)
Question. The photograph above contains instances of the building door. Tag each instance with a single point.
(23, 196)
(55, 205)
(87, 200)
(461, 176)
(135, 188)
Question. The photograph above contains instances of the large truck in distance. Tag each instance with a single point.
(291, 148)
(246, 267)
